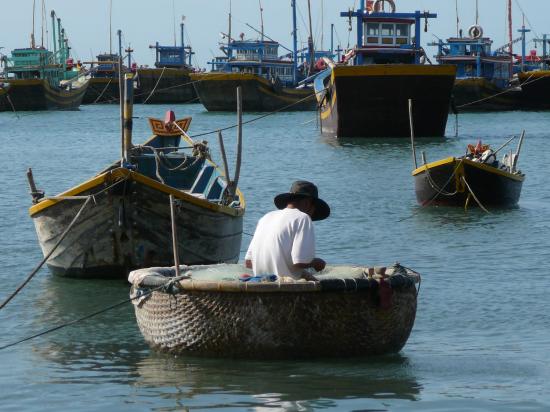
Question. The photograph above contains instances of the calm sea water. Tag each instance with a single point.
(482, 335)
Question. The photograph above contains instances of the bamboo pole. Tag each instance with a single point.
(235, 181)
(518, 150)
(128, 113)
(174, 236)
(224, 158)
(411, 126)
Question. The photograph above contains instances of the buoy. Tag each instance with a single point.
(475, 31)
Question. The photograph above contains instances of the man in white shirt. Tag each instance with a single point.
(284, 240)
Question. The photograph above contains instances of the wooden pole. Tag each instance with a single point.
(518, 150)
(411, 125)
(128, 113)
(224, 159)
(424, 158)
(239, 140)
(174, 236)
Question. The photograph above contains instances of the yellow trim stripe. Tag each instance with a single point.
(482, 166)
(121, 173)
(394, 70)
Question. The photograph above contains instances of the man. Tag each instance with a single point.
(284, 241)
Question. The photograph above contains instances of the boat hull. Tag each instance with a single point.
(165, 86)
(480, 95)
(37, 94)
(102, 90)
(535, 90)
(372, 101)
(278, 320)
(217, 92)
(129, 226)
(440, 183)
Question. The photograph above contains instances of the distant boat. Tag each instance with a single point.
(126, 223)
(534, 75)
(483, 79)
(366, 94)
(103, 84)
(38, 79)
(168, 81)
(269, 82)
(476, 179)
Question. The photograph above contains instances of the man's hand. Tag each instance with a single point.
(318, 264)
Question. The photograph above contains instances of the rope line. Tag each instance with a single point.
(103, 91)
(262, 116)
(35, 271)
(157, 83)
(474, 195)
(98, 312)
(63, 235)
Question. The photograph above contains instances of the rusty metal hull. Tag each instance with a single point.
(38, 94)
(217, 92)
(129, 227)
(166, 85)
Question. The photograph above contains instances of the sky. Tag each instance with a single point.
(143, 22)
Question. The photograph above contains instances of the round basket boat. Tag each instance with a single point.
(345, 313)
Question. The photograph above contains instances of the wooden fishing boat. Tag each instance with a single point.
(216, 92)
(103, 83)
(535, 89)
(477, 179)
(168, 81)
(366, 95)
(37, 79)
(125, 221)
(211, 312)
(269, 82)
(483, 79)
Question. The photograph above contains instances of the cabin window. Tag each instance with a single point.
(387, 34)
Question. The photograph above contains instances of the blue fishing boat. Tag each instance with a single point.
(168, 81)
(367, 93)
(36, 78)
(269, 81)
(483, 78)
(534, 74)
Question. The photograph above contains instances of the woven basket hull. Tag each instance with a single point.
(277, 325)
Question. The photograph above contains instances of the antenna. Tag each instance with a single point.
(261, 19)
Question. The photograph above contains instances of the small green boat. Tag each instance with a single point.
(36, 78)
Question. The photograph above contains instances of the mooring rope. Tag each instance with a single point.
(262, 116)
(103, 91)
(63, 235)
(154, 88)
(474, 195)
(527, 82)
(98, 312)
(36, 269)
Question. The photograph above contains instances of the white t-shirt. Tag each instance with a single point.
(282, 238)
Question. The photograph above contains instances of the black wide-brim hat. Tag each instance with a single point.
(301, 189)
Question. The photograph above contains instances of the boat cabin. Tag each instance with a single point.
(260, 57)
(385, 36)
(473, 58)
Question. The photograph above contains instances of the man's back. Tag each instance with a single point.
(282, 239)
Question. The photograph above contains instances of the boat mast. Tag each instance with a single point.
(310, 41)
(457, 20)
(42, 21)
(510, 38)
(261, 20)
(53, 33)
(182, 27)
(33, 44)
(111, 27)
(294, 43)
(229, 51)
